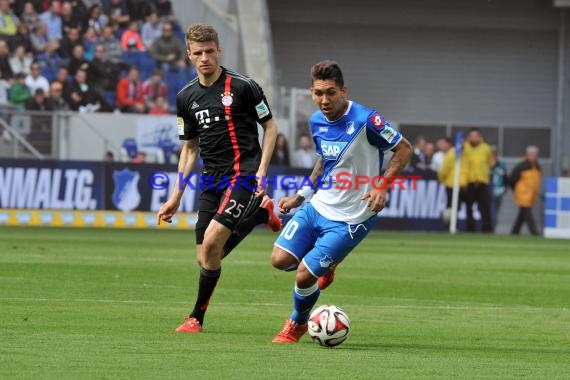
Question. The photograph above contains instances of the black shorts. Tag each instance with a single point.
(227, 206)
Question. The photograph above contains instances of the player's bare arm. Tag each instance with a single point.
(402, 156)
(269, 138)
(188, 156)
(287, 203)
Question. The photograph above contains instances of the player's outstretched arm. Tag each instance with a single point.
(402, 156)
(287, 203)
(188, 157)
(269, 138)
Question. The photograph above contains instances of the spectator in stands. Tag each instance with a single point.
(526, 178)
(69, 18)
(446, 176)
(419, 159)
(479, 159)
(53, 21)
(443, 144)
(35, 80)
(22, 38)
(95, 19)
(168, 50)
(72, 39)
(154, 87)
(103, 74)
(78, 60)
(139, 158)
(305, 156)
(90, 40)
(4, 90)
(498, 185)
(139, 9)
(62, 77)
(159, 107)
(45, 48)
(280, 155)
(131, 39)
(39, 102)
(20, 62)
(57, 97)
(8, 21)
(117, 12)
(30, 16)
(109, 156)
(5, 67)
(151, 29)
(113, 48)
(83, 97)
(19, 93)
(164, 10)
(129, 93)
(429, 151)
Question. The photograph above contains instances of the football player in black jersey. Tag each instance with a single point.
(218, 114)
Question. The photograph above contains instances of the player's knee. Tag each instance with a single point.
(282, 260)
(304, 278)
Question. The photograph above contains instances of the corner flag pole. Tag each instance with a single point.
(455, 194)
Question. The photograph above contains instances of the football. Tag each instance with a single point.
(329, 325)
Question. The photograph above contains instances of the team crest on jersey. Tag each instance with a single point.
(227, 98)
(377, 121)
(350, 127)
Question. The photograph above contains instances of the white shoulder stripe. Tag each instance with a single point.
(192, 82)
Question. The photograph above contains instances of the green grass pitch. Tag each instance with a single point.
(103, 304)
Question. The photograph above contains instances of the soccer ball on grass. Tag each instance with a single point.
(329, 325)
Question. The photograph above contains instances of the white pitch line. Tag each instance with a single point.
(411, 307)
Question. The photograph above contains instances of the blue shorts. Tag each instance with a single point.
(320, 242)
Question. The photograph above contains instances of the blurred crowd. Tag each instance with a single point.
(483, 178)
(91, 56)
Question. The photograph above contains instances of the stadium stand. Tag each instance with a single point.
(63, 19)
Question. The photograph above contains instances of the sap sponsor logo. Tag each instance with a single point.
(4, 216)
(46, 188)
(67, 218)
(109, 219)
(46, 217)
(388, 134)
(23, 217)
(126, 196)
(350, 127)
(130, 219)
(88, 218)
(331, 149)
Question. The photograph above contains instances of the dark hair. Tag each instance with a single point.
(275, 159)
(325, 70)
(474, 129)
(201, 33)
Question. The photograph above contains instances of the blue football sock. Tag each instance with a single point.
(303, 302)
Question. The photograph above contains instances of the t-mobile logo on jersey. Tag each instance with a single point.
(203, 118)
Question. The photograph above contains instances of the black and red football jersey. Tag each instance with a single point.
(224, 117)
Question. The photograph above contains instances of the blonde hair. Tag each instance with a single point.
(201, 33)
